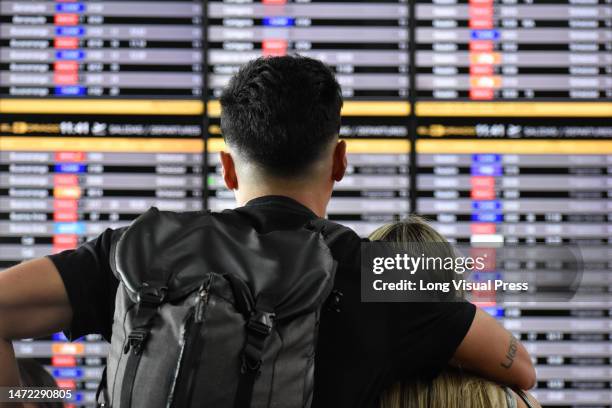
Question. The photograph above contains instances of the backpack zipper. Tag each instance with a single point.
(184, 378)
(201, 303)
(177, 369)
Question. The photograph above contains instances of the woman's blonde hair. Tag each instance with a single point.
(452, 388)
(412, 229)
(415, 235)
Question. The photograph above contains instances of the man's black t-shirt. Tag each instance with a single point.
(363, 348)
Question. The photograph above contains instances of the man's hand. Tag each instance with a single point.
(491, 351)
(33, 303)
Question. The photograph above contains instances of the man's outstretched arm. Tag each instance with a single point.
(33, 303)
(491, 351)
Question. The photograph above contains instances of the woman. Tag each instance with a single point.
(452, 388)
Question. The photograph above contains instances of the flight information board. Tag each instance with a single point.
(101, 48)
(365, 42)
(514, 50)
(533, 181)
(543, 181)
(506, 136)
(100, 119)
(512, 142)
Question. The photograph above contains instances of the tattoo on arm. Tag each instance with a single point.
(510, 354)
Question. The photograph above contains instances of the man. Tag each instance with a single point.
(280, 120)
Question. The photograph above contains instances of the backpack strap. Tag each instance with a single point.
(260, 316)
(150, 296)
(102, 391)
(331, 233)
(258, 329)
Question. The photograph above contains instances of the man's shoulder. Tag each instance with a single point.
(344, 243)
(158, 222)
(337, 231)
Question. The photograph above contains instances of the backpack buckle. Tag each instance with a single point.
(151, 295)
(148, 299)
(261, 323)
(258, 328)
(136, 339)
(250, 365)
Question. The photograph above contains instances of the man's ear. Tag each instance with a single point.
(340, 161)
(229, 170)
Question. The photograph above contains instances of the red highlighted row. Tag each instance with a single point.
(62, 242)
(481, 23)
(482, 94)
(274, 48)
(66, 19)
(65, 216)
(65, 205)
(482, 228)
(63, 361)
(60, 78)
(482, 182)
(66, 72)
(481, 11)
(70, 156)
(65, 180)
(65, 240)
(483, 188)
(68, 384)
(481, 45)
(66, 42)
(482, 194)
(66, 66)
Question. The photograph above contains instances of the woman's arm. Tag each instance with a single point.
(491, 351)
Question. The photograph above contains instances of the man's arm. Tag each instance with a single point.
(491, 351)
(33, 303)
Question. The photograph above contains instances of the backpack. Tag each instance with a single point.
(212, 313)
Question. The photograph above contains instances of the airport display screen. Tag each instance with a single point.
(514, 144)
(100, 118)
(491, 118)
(519, 50)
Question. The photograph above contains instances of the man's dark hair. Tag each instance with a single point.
(281, 112)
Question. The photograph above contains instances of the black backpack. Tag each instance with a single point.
(212, 313)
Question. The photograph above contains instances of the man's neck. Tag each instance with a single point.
(310, 199)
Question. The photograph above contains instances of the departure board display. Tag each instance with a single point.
(100, 118)
(491, 118)
(512, 141)
(543, 181)
(100, 49)
(514, 50)
(527, 181)
(365, 42)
